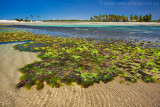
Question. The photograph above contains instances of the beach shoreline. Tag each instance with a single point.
(13, 22)
(111, 93)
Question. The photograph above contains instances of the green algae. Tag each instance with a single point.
(67, 60)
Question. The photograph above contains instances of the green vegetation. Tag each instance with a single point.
(26, 19)
(121, 81)
(16, 36)
(31, 16)
(69, 20)
(110, 18)
(136, 18)
(101, 18)
(84, 61)
(38, 17)
(131, 18)
(121, 18)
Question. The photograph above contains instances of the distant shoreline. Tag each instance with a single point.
(13, 22)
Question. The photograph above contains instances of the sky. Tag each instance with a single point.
(76, 9)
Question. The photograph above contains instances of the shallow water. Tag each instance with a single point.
(100, 32)
(14, 42)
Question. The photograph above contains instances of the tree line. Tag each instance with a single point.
(66, 20)
(27, 19)
(102, 18)
(121, 18)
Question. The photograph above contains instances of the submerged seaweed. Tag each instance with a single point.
(85, 61)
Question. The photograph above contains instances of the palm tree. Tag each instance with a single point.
(116, 18)
(145, 18)
(26, 18)
(131, 18)
(103, 17)
(106, 18)
(135, 18)
(32, 16)
(140, 18)
(100, 17)
(109, 17)
(123, 18)
(38, 17)
(96, 18)
(119, 18)
(91, 19)
(126, 19)
(112, 17)
(150, 17)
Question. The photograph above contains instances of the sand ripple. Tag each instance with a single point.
(112, 94)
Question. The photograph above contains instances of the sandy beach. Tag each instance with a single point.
(13, 22)
(111, 94)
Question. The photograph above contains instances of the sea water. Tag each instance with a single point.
(99, 32)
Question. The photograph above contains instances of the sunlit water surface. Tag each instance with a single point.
(100, 32)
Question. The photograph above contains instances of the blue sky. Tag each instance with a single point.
(76, 9)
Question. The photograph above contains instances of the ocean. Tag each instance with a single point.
(99, 32)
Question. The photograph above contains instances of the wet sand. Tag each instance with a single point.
(111, 94)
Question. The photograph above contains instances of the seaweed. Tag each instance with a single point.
(68, 60)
